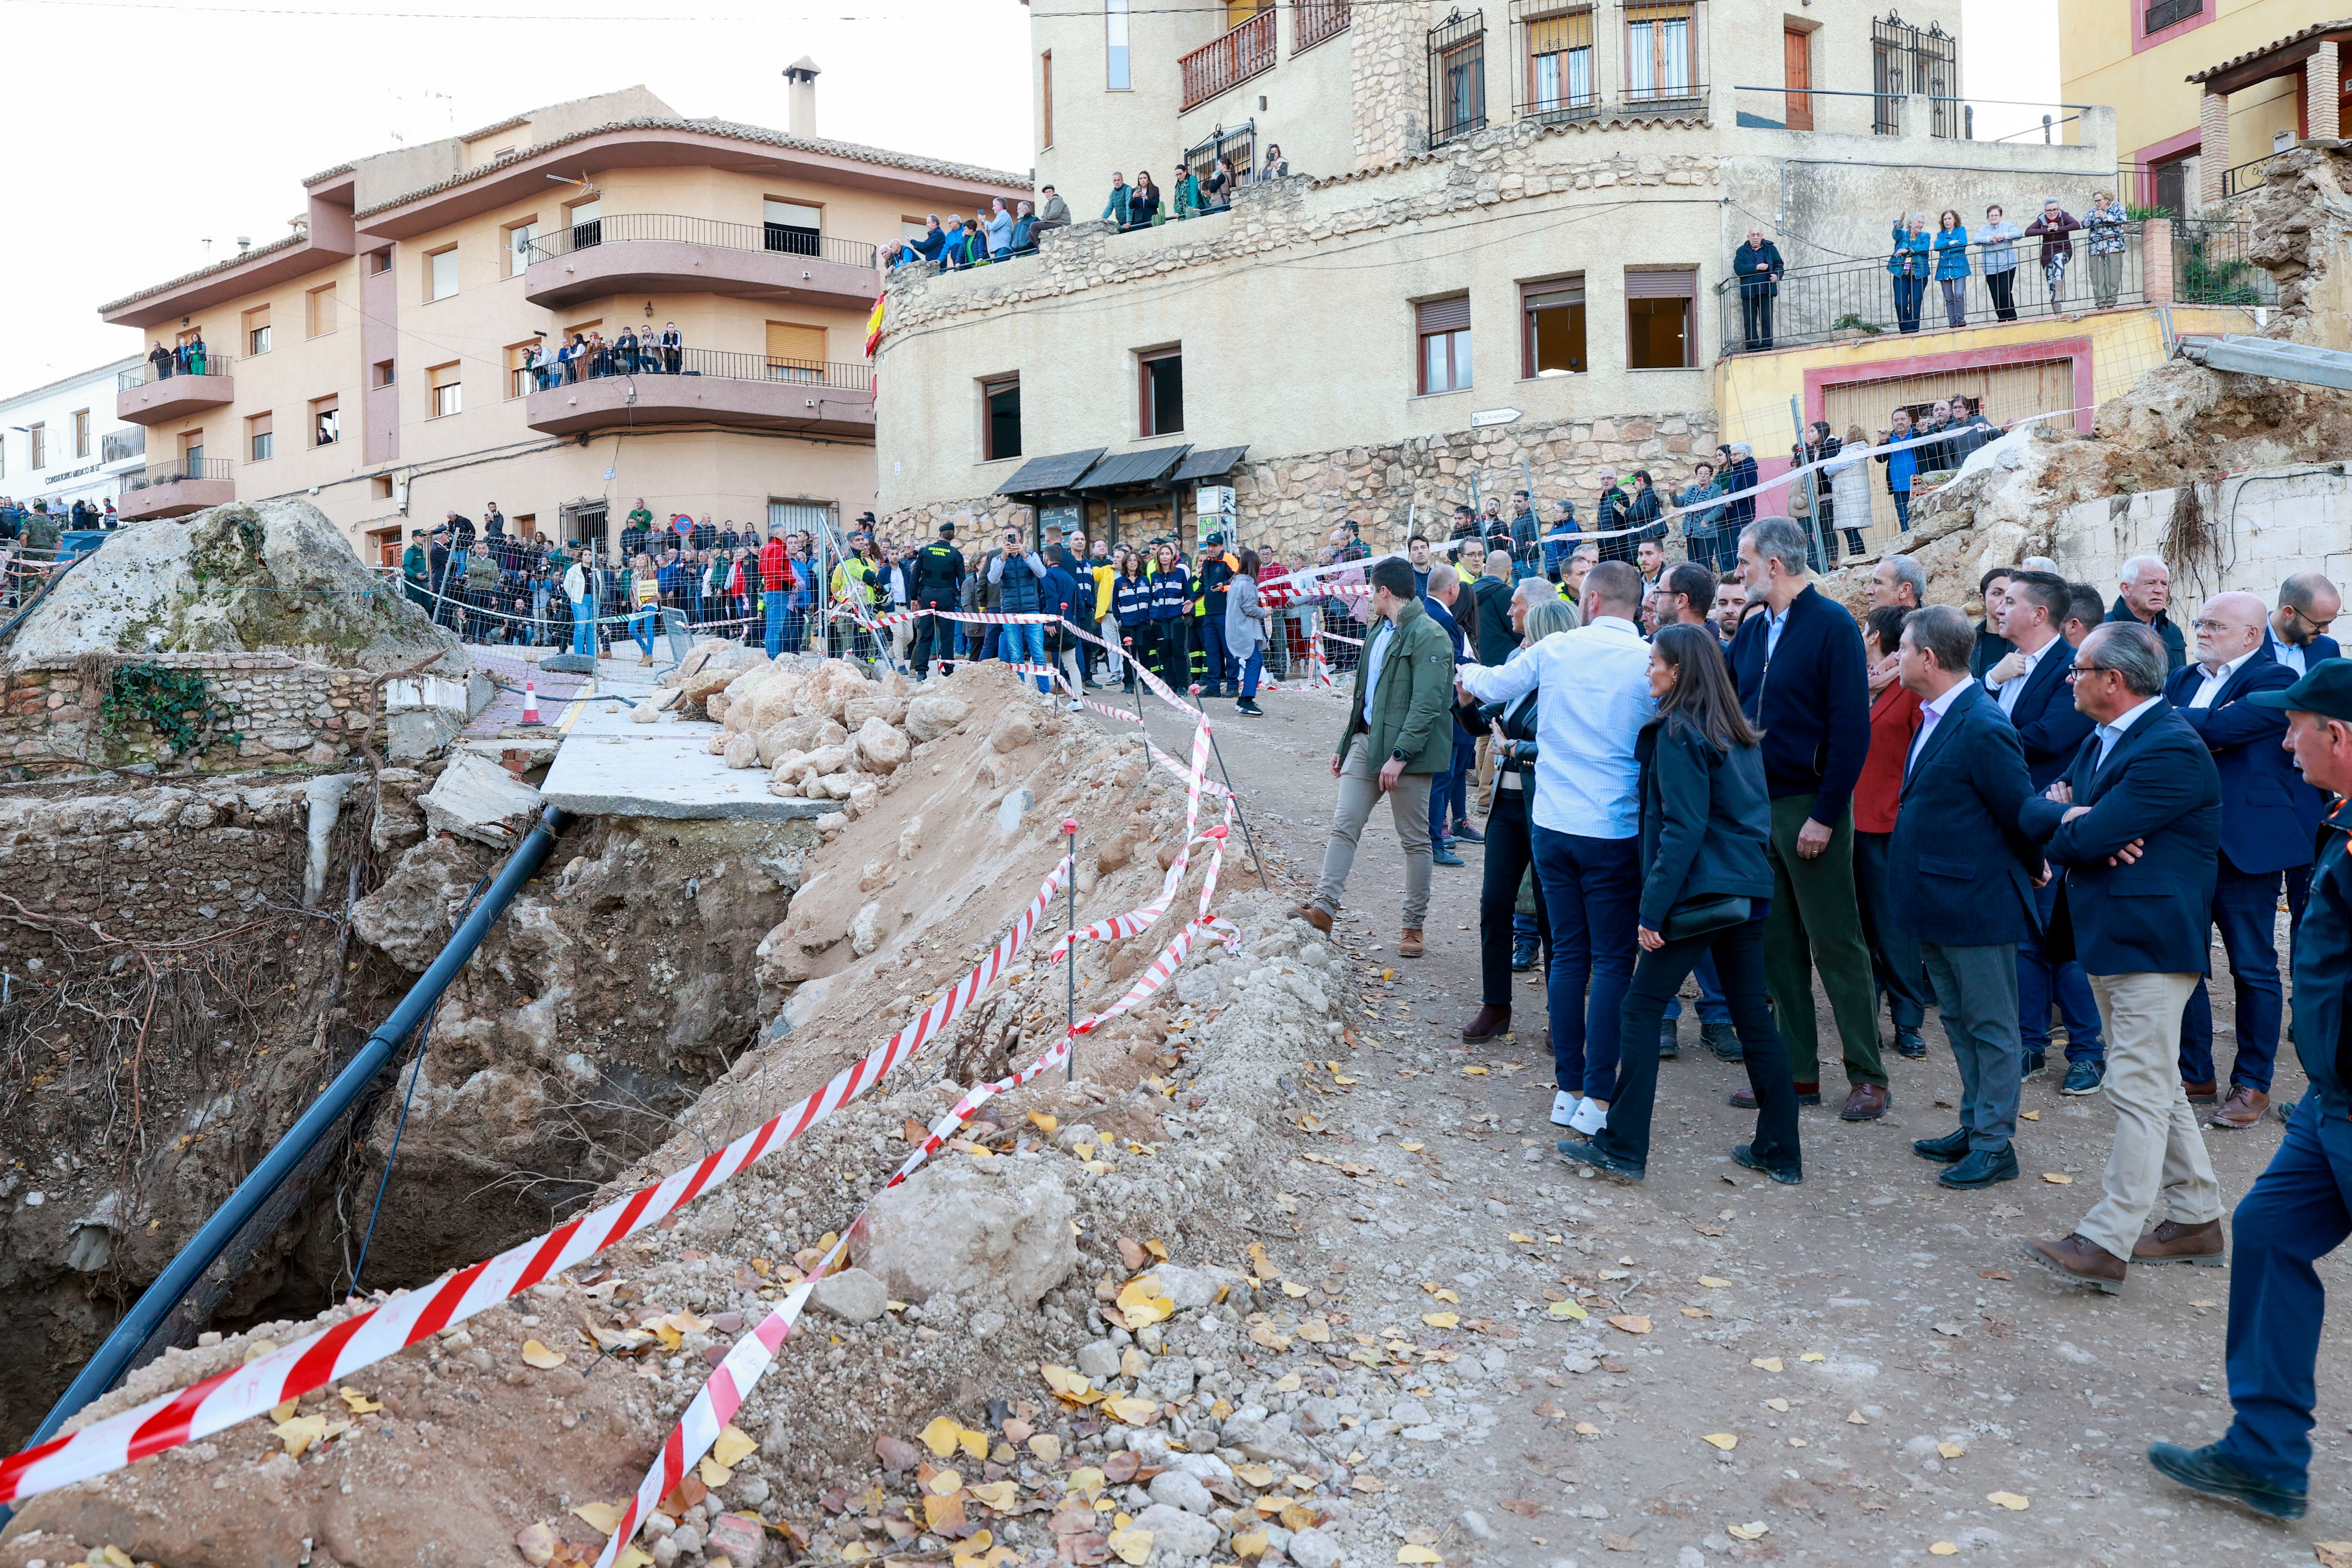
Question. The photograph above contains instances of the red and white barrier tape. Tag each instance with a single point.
(723, 1393)
(320, 1359)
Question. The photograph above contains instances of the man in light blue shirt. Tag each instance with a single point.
(1594, 698)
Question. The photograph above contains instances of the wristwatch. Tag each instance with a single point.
(1398, 755)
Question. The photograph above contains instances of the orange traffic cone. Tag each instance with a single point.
(531, 703)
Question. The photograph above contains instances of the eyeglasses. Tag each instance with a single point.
(2314, 622)
(2203, 625)
(2077, 672)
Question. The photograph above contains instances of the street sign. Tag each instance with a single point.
(1493, 416)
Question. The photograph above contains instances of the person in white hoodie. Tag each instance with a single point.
(579, 587)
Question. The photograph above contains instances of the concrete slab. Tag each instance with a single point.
(609, 766)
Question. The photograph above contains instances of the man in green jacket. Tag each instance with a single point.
(416, 572)
(1400, 735)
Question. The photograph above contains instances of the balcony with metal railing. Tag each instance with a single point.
(1228, 60)
(175, 490)
(742, 391)
(148, 394)
(649, 253)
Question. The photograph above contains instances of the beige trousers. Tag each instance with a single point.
(1359, 791)
(2159, 1150)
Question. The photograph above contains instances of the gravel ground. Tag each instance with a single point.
(1858, 1365)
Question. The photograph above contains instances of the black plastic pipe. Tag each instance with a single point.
(117, 1357)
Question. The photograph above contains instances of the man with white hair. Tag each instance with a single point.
(2146, 590)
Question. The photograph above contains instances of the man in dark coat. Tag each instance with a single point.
(2146, 590)
(1756, 264)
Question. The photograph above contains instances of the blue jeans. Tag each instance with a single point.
(1216, 659)
(2245, 906)
(772, 610)
(2295, 1214)
(1591, 889)
(1449, 790)
(641, 626)
(1903, 508)
(1250, 671)
(1031, 637)
(584, 626)
(2037, 978)
(1712, 1007)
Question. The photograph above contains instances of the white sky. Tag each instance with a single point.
(139, 131)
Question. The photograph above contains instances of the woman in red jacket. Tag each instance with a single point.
(1894, 720)
(776, 581)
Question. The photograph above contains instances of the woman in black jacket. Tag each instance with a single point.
(1509, 827)
(1705, 884)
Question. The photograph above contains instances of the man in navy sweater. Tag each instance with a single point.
(1803, 680)
(2297, 637)
(2261, 837)
(2136, 826)
(2030, 683)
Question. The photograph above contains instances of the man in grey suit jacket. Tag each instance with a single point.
(1970, 871)
(2137, 826)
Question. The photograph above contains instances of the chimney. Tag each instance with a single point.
(800, 97)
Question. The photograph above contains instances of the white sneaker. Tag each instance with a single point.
(1591, 1116)
(1565, 1104)
(1075, 706)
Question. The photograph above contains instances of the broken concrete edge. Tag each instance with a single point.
(583, 802)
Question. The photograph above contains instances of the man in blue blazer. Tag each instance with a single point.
(2135, 827)
(2297, 637)
(2261, 837)
(1970, 868)
(2030, 684)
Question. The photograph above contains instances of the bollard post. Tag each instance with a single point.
(1070, 935)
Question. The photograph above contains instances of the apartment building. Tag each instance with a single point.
(372, 359)
(2204, 90)
(61, 442)
(1501, 259)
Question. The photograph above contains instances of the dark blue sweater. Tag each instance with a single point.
(1814, 707)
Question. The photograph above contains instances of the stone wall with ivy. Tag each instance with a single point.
(226, 711)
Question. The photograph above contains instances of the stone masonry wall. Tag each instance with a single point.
(164, 863)
(1388, 80)
(284, 709)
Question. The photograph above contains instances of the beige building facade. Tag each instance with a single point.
(373, 359)
(1499, 260)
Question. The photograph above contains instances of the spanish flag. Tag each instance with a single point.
(874, 328)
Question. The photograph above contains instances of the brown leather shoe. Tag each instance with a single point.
(1314, 915)
(1409, 943)
(2200, 1093)
(1490, 1022)
(1807, 1094)
(2172, 1242)
(1867, 1102)
(2080, 1259)
(2242, 1110)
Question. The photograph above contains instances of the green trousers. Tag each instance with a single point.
(1816, 923)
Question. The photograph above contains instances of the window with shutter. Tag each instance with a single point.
(1443, 344)
(1560, 63)
(1553, 316)
(1658, 316)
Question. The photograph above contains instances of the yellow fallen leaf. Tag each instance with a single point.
(1856, 1418)
(1476, 1072)
(713, 1474)
(973, 1443)
(300, 1433)
(2058, 1178)
(998, 1495)
(1045, 1448)
(1712, 1283)
(1569, 1310)
(1441, 1320)
(2031, 1115)
(1766, 1364)
(1131, 1545)
(2009, 1501)
(539, 1356)
(1750, 1531)
(1723, 1440)
(1943, 1549)
(1798, 1443)
(285, 1412)
(115, 1557)
(1292, 1288)
(1632, 1322)
(1060, 1379)
(360, 1403)
(1516, 1237)
(856, 1552)
(733, 1446)
(1696, 1312)
(1587, 1429)
(1259, 1475)
(604, 1518)
(1043, 1123)
(1411, 1148)
(1086, 1482)
(1250, 1543)
(946, 1483)
(1813, 1355)
(1777, 1406)
(1417, 1554)
(1134, 1412)
(940, 1437)
(1157, 1249)
(670, 1338)
(1950, 1450)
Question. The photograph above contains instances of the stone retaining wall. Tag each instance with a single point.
(284, 710)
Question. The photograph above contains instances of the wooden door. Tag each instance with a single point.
(1797, 60)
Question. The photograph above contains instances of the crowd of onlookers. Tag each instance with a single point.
(189, 358)
(1006, 231)
(1950, 252)
(584, 356)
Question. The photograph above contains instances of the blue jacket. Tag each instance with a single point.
(2323, 968)
(2154, 915)
(1964, 865)
(1815, 714)
(933, 242)
(1021, 592)
(2049, 725)
(1060, 593)
(1171, 594)
(1910, 259)
(1951, 253)
(2310, 803)
(2260, 830)
(1130, 600)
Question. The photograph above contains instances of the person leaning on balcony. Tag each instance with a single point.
(161, 358)
(1000, 230)
(2055, 227)
(1909, 265)
(1187, 199)
(1220, 188)
(2103, 233)
(1996, 243)
(1952, 267)
(1024, 231)
(1055, 213)
(934, 240)
(1758, 265)
(1277, 166)
(673, 348)
(1142, 201)
(1115, 209)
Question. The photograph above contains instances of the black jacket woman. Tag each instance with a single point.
(1706, 885)
(1510, 838)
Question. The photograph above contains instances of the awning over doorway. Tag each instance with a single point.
(1041, 476)
(1130, 469)
(1208, 463)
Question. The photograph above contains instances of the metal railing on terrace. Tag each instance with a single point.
(146, 372)
(1990, 120)
(719, 365)
(165, 473)
(621, 227)
(2210, 265)
(1229, 59)
(2243, 177)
